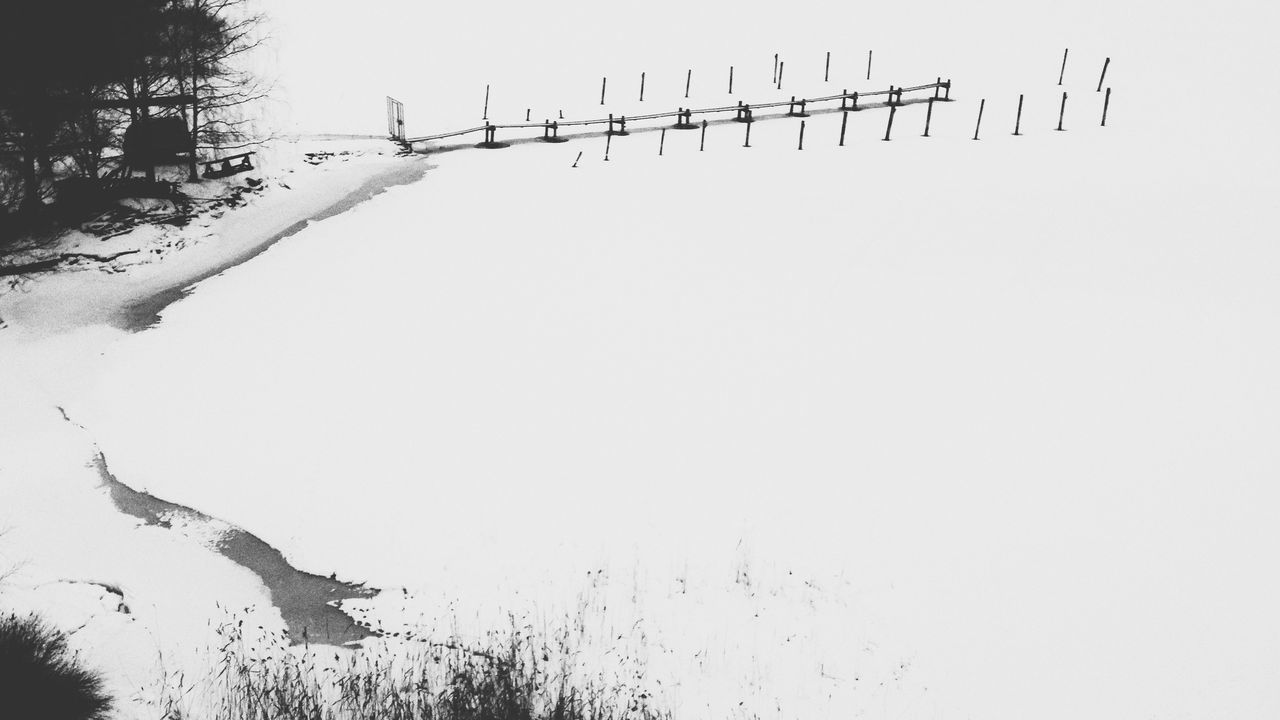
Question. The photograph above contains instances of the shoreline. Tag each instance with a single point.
(145, 312)
(132, 297)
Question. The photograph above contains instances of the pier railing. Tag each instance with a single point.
(684, 116)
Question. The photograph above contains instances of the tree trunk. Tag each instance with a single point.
(30, 178)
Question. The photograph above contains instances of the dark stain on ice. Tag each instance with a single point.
(304, 599)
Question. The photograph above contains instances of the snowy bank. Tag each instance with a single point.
(296, 183)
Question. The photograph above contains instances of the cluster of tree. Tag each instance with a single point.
(74, 74)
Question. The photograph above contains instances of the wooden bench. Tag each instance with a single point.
(224, 167)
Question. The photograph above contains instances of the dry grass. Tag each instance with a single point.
(515, 674)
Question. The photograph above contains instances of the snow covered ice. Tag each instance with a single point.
(928, 428)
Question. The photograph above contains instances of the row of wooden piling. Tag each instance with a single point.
(1017, 123)
(779, 67)
(1101, 77)
(748, 119)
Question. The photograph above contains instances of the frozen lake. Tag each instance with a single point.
(989, 424)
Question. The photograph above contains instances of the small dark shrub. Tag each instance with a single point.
(41, 680)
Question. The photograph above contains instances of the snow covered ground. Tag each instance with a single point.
(931, 428)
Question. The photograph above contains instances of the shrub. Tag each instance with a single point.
(40, 679)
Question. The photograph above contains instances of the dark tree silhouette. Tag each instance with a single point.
(74, 73)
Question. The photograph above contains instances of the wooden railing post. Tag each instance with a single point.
(1017, 124)
(1063, 110)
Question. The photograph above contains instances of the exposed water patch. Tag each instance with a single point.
(307, 602)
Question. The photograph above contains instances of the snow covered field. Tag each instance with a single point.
(931, 428)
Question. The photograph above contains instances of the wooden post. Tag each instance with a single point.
(575, 160)
(688, 78)
(1063, 110)
(486, 103)
(1017, 124)
(662, 140)
(702, 144)
(937, 87)
(801, 147)
(928, 117)
(1105, 104)
(889, 128)
(781, 66)
(608, 140)
(844, 123)
(1104, 74)
(1064, 65)
(527, 112)
(747, 142)
(826, 74)
(730, 79)
(775, 68)
(641, 87)
(981, 106)
(947, 94)
(868, 64)
(603, 83)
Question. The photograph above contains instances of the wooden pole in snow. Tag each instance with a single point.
(1064, 65)
(603, 82)
(826, 74)
(1105, 104)
(662, 141)
(1063, 111)
(889, 128)
(775, 68)
(844, 123)
(801, 146)
(981, 106)
(702, 144)
(608, 140)
(1104, 74)
(1017, 124)
(781, 66)
(868, 64)
(688, 78)
(928, 117)
(747, 142)
(641, 87)
(730, 79)
(575, 160)
(486, 103)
